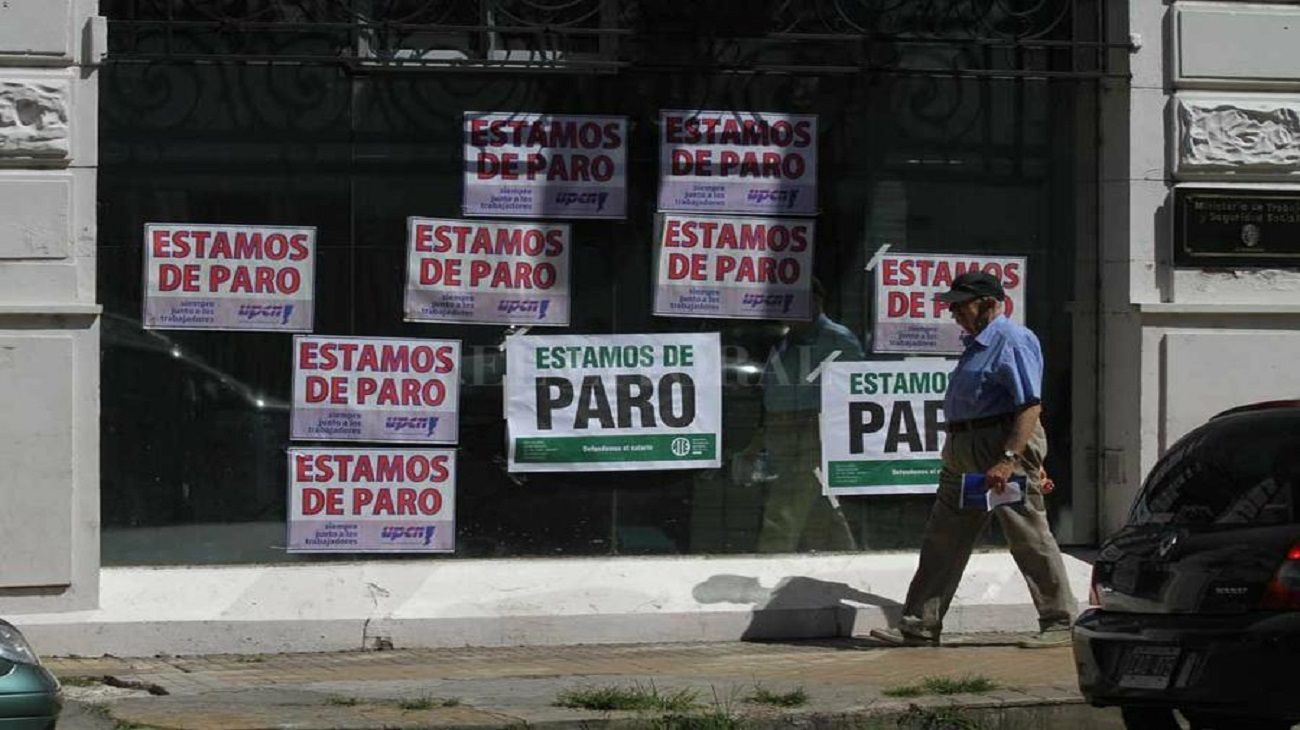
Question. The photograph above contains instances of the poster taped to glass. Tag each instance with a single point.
(228, 277)
(738, 268)
(743, 162)
(527, 165)
(372, 500)
(908, 317)
(882, 426)
(375, 389)
(487, 272)
(613, 402)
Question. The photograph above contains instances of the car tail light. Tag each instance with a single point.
(1283, 592)
(1094, 595)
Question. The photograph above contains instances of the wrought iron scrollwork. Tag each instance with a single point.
(955, 19)
(1035, 38)
(358, 70)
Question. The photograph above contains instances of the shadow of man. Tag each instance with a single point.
(797, 607)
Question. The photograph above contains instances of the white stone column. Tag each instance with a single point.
(49, 321)
(1214, 101)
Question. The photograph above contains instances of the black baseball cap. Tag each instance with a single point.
(972, 285)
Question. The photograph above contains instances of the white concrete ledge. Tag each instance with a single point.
(437, 603)
(1207, 308)
(38, 309)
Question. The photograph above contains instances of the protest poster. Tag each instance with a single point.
(613, 402)
(375, 389)
(372, 500)
(737, 162)
(487, 272)
(882, 426)
(228, 277)
(908, 317)
(740, 268)
(524, 165)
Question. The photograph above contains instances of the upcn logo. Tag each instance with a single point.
(427, 424)
(510, 306)
(773, 198)
(266, 311)
(680, 447)
(567, 199)
(768, 302)
(408, 533)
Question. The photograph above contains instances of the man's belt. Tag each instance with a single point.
(974, 423)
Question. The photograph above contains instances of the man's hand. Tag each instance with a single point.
(997, 475)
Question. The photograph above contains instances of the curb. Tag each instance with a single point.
(921, 712)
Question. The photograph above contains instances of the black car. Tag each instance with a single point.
(1197, 599)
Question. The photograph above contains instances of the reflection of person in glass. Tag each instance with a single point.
(796, 515)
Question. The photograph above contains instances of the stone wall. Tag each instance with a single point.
(1214, 102)
(49, 324)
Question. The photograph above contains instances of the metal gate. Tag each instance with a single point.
(966, 38)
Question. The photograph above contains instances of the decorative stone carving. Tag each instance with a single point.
(34, 119)
(1239, 135)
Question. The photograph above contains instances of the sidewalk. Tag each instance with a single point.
(845, 681)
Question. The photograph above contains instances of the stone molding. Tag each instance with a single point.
(1234, 137)
(36, 216)
(36, 32)
(34, 120)
(1225, 45)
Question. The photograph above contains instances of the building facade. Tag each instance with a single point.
(147, 466)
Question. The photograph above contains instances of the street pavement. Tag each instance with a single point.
(846, 682)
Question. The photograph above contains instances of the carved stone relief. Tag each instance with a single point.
(34, 119)
(1259, 136)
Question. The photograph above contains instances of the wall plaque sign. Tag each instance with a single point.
(1236, 227)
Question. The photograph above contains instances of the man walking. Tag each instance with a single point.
(992, 408)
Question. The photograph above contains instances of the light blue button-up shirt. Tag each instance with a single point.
(1000, 372)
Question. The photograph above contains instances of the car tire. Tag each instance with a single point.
(1149, 718)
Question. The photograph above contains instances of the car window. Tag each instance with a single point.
(1240, 469)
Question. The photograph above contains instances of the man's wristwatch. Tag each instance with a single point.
(1010, 456)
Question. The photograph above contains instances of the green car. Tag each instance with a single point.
(30, 697)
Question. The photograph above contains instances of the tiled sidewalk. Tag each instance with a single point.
(502, 687)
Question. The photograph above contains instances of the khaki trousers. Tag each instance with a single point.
(951, 532)
(796, 515)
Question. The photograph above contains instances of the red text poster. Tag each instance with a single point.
(738, 162)
(375, 389)
(372, 501)
(742, 268)
(228, 277)
(487, 272)
(908, 317)
(526, 165)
